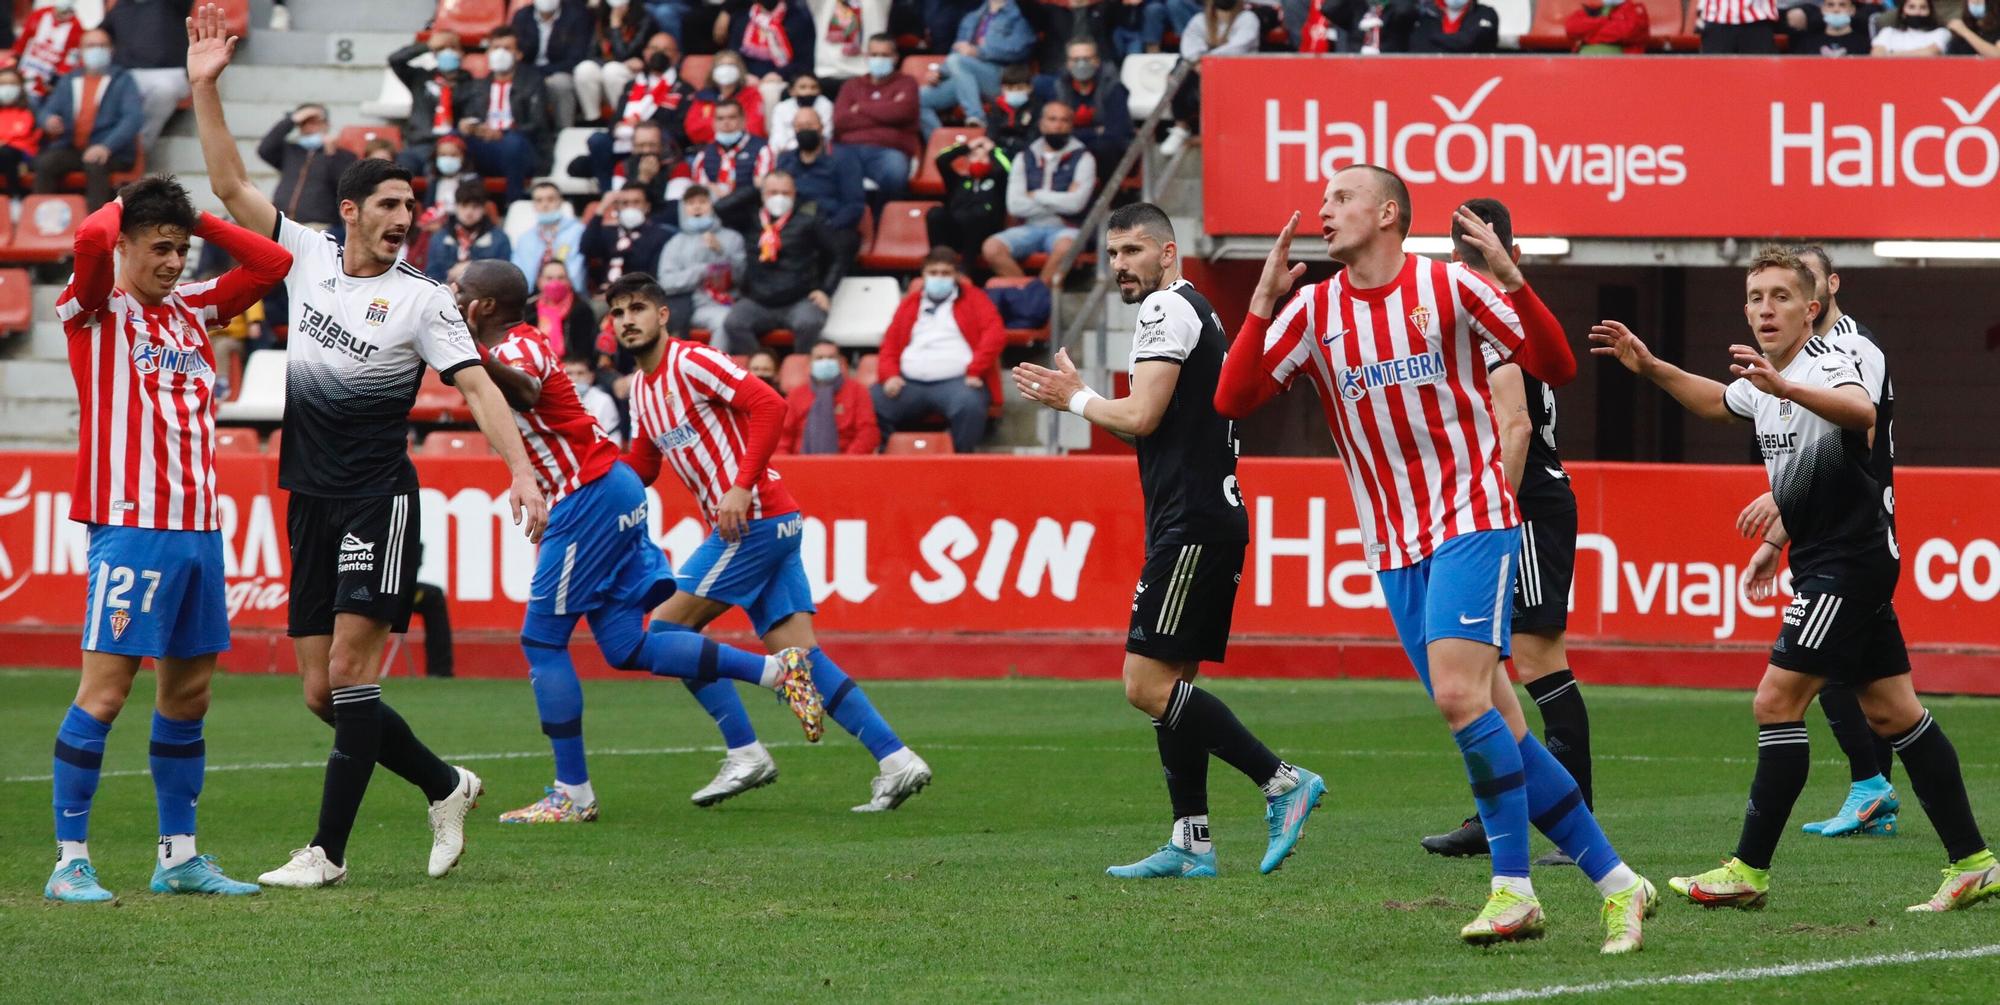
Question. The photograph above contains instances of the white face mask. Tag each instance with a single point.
(631, 217)
(500, 60)
(547, 6)
(726, 74)
(778, 205)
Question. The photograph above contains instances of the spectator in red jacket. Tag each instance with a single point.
(829, 414)
(939, 353)
(1609, 26)
(20, 134)
(45, 49)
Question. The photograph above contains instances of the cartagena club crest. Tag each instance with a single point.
(378, 311)
(119, 622)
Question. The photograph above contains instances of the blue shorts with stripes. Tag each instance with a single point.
(1463, 590)
(156, 593)
(760, 572)
(596, 551)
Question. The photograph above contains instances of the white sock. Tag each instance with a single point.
(176, 849)
(70, 851)
(752, 750)
(581, 793)
(1518, 884)
(773, 670)
(1191, 834)
(1617, 880)
(898, 761)
(1284, 781)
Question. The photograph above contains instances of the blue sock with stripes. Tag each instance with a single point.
(850, 707)
(559, 702)
(1493, 763)
(1557, 809)
(78, 759)
(719, 699)
(177, 759)
(696, 657)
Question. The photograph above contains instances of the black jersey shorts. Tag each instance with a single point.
(1547, 564)
(1184, 601)
(356, 556)
(1842, 633)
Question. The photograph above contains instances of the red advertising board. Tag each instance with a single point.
(926, 548)
(1614, 146)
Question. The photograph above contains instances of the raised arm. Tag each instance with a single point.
(1700, 395)
(210, 48)
(1544, 351)
(1245, 383)
(261, 264)
(94, 270)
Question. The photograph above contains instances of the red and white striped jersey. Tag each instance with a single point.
(563, 441)
(1737, 11)
(145, 380)
(691, 413)
(1400, 374)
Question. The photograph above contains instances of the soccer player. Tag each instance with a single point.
(1196, 531)
(1525, 410)
(363, 328)
(1392, 346)
(1813, 406)
(145, 488)
(595, 559)
(1871, 803)
(696, 412)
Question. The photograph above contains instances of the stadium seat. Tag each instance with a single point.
(262, 398)
(919, 66)
(75, 181)
(355, 139)
(449, 444)
(901, 238)
(572, 143)
(438, 403)
(471, 19)
(392, 102)
(235, 13)
(16, 301)
(918, 443)
(701, 335)
(862, 307)
(1517, 18)
(1144, 75)
(779, 338)
(274, 441)
(1019, 336)
(928, 181)
(237, 440)
(794, 371)
(866, 368)
(694, 70)
(47, 229)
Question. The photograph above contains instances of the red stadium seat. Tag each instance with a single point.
(918, 443)
(16, 301)
(919, 66)
(471, 19)
(235, 13)
(794, 371)
(901, 238)
(928, 181)
(780, 338)
(355, 139)
(237, 440)
(1671, 29)
(438, 403)
(701, 335)
(694, 70)
(47, 231)
(446, 444)
(74, 181)
(271, 442)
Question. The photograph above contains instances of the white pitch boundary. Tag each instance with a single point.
(1705, 977)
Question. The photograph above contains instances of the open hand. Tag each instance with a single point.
(1279, 273)
(531, 511)
(1054, 387)
(1485, 240)
(210, 45)
(1754, 367)
(1760, 574)
(1613, 339)
(1758, 517)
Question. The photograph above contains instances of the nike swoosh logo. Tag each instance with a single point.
(1495, 837)
(74, 813)
(1463, 620)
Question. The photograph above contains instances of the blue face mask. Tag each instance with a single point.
(728, 139)
(1839, 20)
(448, 60)
(939, 287)
(825, 371)
(312, 141)
(697, 224)
(1975, 11)
(1455, 5)
(880, 67)
(550, 218)
(96, 58)
(449, 165)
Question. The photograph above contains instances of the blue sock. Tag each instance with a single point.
(1556, 807)
(178, 757)
(851, 708)
(559, 701)
(79, 758)
(695, 657)
(718, 698)
(1493, 762)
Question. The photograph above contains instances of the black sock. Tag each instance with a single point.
(357, 743)
(1850, 730)
(413, 762)
(1185, 761)
(1565, 725)
(1940, 787)
(1783, 758)
(1209, 721)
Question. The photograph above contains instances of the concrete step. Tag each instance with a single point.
(181, 154)
(404, 16)
(45, 340)
(340, 47)
(307, 80)
(37, 380)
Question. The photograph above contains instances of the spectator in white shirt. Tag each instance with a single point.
(1225, 28)
(596, 400)
(806, 93)
(1915, 33)
(939, 354)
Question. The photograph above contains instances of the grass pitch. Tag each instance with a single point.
(989, 886)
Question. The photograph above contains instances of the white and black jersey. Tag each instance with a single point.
(1853, 338)
(1545, 487)
(1822, 476)
(1187, 466)
(357, 352)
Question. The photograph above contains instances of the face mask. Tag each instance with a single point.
(979, 169)
(448, 60)
(1923, 22)
(557, 290)
(880, 67)
(1056, 141)
(500, 60)
(939, 287)
(96, 58)
(64, 7)
(809, 140)
(726, 75)
(311, 141)
(448, 165)
(729, 139)
(825, 371)
(1014, 99)
(1086, 69)
(550, 218)
(547, 6)
(778, 206)
(1455, 5)
(697, 224)
(1975, 11)
(9, 93)
(1839, 20)
(620, 4)
(1225, 5)
(658, 63)
(631, 217)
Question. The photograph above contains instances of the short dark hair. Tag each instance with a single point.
(942, 255)
(729, 103)
(1143, 216)
(635, 285)
(697, 191)
(499, 279)
(1496, 215)
(1815, 251)
(1017, 73)
(501, 33)
(1777, 256)
(363, 177)
(1398, 192)
(157, 200)
(540, 185)
(472, 189)
(881, 36)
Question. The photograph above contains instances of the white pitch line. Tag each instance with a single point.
(1705, 977)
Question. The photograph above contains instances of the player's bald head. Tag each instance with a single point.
(1386, 186)
(496, 280)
